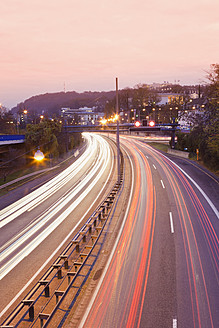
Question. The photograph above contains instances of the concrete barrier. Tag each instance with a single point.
(179, 153)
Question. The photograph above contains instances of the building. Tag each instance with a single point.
(193, 109)
(169, 98)
(81, 116)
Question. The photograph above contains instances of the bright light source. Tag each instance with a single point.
(137, 124)
(152, 123)
(39, 156)
(103, 121)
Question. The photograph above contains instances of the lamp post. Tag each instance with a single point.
(117, 130)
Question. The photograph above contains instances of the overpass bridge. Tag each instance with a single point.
(169, 128)
(7, 139)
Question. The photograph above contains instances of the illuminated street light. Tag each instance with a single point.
(25, 111)
(39, 156)
(103, 121)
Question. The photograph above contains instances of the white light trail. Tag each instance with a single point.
(93, 177)
(54, 253)
(12, 211)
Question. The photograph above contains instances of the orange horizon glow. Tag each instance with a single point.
(53, 46)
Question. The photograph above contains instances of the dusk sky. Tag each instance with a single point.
(88, 43)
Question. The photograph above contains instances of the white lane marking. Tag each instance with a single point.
(162, 183)
(154, 166)
(54, 253)
(171, 222)
(146, 156)
(174, 323)
(112, 253)
(214, 209)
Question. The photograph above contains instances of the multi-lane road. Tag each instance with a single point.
(35, 228)
(163, 271)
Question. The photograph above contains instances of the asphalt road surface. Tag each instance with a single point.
(36, 227)
(163, 271)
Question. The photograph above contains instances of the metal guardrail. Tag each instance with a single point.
(53, 296)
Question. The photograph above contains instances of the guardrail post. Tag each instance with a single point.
(82, 233)
(76, 264)
(98, 229)
(65, 258)
(57, 294)
(46, 284)
(59, 270)
(70, 274)
(83, 256)
(30, 303)
(90, 227)
(93, 238)
(76, 242)
(43, 316)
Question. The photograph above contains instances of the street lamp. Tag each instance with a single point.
(39, 156)
(103, 121)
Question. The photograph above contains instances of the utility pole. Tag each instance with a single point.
(174, 124)
(117, 130)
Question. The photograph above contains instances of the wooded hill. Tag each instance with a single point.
(51, 103)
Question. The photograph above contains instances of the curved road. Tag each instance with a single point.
(34, 228)
(164, 268)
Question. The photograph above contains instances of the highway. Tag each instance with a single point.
(36, 227)
(164, 267)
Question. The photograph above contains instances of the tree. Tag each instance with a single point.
(110, 108)
(143, 96)
(44, 135)
(205, 132)
(125, 96)
(7, 123)
(144, 100)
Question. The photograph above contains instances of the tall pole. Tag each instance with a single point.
(117, 130)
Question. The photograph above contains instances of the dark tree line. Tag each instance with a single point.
(205, 134)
